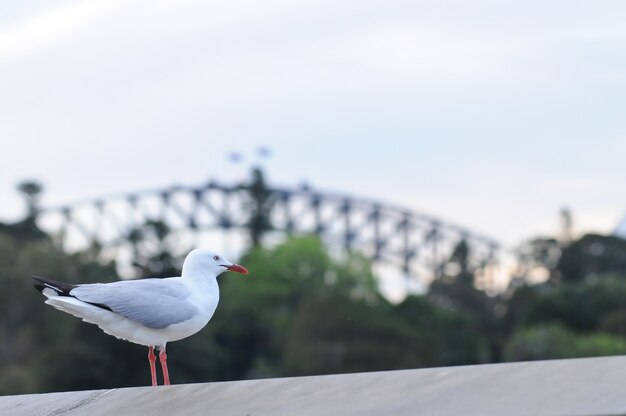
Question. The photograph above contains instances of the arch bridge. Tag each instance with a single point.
(415, 245)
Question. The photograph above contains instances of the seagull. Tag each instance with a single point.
(150, 312)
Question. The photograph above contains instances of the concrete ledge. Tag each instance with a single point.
(590, 386)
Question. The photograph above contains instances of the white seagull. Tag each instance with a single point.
(150, 312)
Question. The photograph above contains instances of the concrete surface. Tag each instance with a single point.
(591, 386)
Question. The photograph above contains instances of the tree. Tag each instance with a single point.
(458, 268)
(455, 291)
(452, 337)
(591, 256)
(34, 339)
(27, 228)
(580, 306)
(539, 254)
(552, 341)
(154, 236)
(261, 202)
(32, 191)
(263, 305)
(332, 333)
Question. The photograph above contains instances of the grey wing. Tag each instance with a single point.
(154, 303)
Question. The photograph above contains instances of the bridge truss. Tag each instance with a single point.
(412, 244)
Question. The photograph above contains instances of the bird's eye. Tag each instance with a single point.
(216, 258)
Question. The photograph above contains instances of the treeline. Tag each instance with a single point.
(302, 311)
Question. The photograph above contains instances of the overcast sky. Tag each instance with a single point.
(491, 114)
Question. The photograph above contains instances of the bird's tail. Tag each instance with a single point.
(51, 288)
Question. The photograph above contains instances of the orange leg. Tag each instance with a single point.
(152, 360)
(163, 359)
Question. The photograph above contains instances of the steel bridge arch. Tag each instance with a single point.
(417, 245)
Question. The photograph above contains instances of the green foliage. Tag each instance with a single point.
(34, 339)
(263, 305)
(333, 334)
(451, 336)
(304, 311)
(591, 256)
(551, 341)
(582, 306)
(614, 322)
(260, 204)
(454, 290)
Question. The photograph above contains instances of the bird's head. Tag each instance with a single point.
(204, 262)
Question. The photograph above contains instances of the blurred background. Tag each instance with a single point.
(411, 184)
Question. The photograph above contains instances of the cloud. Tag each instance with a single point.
(50, 28)
(418, 50)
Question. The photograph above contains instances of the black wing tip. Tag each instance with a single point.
(61, 288)
(39, 286)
